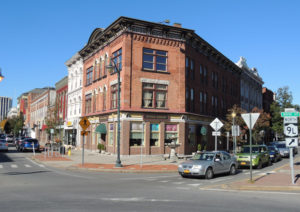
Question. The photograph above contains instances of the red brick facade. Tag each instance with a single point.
(189, 101)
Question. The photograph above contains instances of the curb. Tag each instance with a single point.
(120, 170)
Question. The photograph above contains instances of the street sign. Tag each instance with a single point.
(216, 124)
(254, 117)
(216, 133)
(235, 130)
(84, 123)
(291, 142)
(288, 114)
(291, 130)
(290, 120)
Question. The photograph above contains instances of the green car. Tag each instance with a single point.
(260, 156)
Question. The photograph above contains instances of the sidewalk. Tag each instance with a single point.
(94, 161)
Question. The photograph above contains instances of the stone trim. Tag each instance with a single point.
(155, 81)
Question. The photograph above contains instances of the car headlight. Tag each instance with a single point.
(179, 166)
(196, 166)
(254, 156)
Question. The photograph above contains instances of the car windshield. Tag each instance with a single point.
(246, 149)
(271, 148)
(32, 140)
(2, 141)
(203, 156)
(281, 146)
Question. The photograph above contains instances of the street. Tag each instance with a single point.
(30, 186)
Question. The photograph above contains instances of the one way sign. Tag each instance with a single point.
(291, 142)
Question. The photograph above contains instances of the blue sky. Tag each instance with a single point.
(38, 36)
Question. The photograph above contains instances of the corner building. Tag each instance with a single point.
(173, 84)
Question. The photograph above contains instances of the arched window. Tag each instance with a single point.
(104, 98)
(105, 64)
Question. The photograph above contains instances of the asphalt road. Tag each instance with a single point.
(28, 186)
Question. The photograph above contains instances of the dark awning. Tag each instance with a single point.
(101, 128)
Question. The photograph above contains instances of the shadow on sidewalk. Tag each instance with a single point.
(297, 177)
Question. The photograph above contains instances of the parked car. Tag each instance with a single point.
(18, 142)
(208, 164)
(29, 144)
(9, 138)
(260, 156)
(274, 153)
(3, 145)
(284, 151)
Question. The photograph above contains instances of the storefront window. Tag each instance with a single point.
(111, 134)
(171, 133)
(136, 134)
(192, 134)
(154, 134)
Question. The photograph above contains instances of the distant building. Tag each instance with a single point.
(38, 113)
(72, 128)
(61, 88)
(268, 99)
(5, 106)
(251, 86)
(13, 112)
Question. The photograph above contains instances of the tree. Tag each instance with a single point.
(15, 125)
(52, 121)
(283, 100)
(262, 125)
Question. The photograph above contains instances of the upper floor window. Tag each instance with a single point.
(155, 60)
(154, 95)
(105, 65)
(88, 103)
(117, 58)
(89, 76)
(114, 96)
(100, 67)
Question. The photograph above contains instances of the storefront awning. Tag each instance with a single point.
(101, 128)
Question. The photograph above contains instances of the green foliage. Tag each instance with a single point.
(15, 125)
(199, 147)
(101, 147)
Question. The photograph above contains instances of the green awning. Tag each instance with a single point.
(101, 128)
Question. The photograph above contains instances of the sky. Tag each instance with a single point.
(37, 37)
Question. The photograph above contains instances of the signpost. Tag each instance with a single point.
(216, 125)
(84, 123)
(250, 119)
(290, 127)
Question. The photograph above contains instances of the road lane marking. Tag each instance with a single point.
(13, 166)
(164, 181)
(195, 185)
(1, 166)
(178, 183)
(28, 166)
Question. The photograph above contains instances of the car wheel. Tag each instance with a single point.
(232, 170)
(259, 166)
(209, 174)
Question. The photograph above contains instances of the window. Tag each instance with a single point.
(100, 68)
(89, 76)
(214, 77)
(154, 60)
(94, 102)
(154, 134)
(171, 133)
(104, 98)
(192, 100)
(136, 134)
(187, 63)
(117, 58)
(114, 96)
(192, 69)
(105, 65)
(96, 70)
(187, 99)
(205, 75)
(192, 135)
(111, 134)
(88, 103)
(154, 95)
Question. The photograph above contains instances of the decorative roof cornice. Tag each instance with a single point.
(76, 57)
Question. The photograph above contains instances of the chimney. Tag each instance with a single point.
(177, 25)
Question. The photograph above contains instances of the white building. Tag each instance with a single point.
(251, 86)
(13, 112)
(72, 128)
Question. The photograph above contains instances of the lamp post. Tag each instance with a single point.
(111, 68)
(1, 76)
(234, 132)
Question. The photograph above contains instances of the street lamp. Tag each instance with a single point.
(233, 114)
(1, 76)
(111, 67)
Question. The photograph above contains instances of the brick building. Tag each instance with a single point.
(38, 113)
(61, 104)
(173, 84)
(268, 99)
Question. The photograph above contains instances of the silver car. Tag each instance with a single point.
(208, 164)
(3, 145)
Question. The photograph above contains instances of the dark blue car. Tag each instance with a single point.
(29, 144)
(274, 154)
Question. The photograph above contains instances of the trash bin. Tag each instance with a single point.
(62, 150)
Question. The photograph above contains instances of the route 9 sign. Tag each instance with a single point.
(291, 130)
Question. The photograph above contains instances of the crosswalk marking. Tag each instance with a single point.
(41, 165)
(26, 165)
(1, 166)
(178, 183)
(195, 185)
(14, 166)
(164, 181)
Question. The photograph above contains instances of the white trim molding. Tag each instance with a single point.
(155, 81)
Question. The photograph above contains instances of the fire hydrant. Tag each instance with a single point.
(69, 151)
